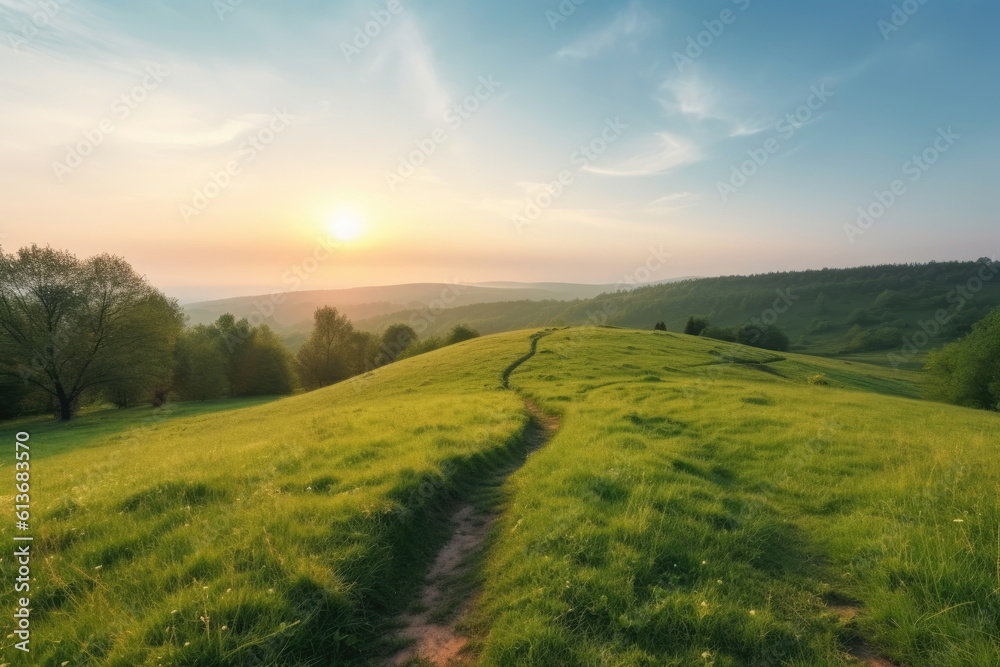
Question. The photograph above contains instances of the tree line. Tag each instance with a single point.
(74, 332)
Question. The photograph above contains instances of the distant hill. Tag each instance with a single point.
(293, 310)
(868, 312)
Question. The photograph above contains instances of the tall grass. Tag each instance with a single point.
(287, 533)
(700, 507)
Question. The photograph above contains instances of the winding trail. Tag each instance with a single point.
(847, 610)
(444, 600)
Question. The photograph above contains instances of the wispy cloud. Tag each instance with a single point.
(416, 70)
(659, 153)
(671, 202)
(693, 96)
(628, 28)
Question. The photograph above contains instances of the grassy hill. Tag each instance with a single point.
(702, 503)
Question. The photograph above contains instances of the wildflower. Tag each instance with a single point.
(225, 627)
(753, 612)
(98, 567)
(704, 562)
(959, 520)
(704, 603)
(706, 655)
(187, 643)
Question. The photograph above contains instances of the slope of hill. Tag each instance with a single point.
(702, 503)
(874, 311)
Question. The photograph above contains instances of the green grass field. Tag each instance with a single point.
(702, 504)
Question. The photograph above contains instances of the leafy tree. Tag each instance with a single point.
(967, 372)
(202, 370)
(72, 327)
(696, 326)
(395, 340)
(460, 333)
(329, 355)
(364, 347)
(766, 338)
(660, 326)
(265, 367)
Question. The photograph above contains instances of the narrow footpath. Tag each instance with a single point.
(445, 597)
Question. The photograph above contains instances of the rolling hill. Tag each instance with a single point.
(694, 502)
(866, 313)
(295, 309)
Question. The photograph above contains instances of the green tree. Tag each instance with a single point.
(696, 326)
(264, 367)
(967, 372)
(765, 337)
(660, 326)
(329, 355)
(395, 340)
(202, 370)
(71, 327)
(460, 333)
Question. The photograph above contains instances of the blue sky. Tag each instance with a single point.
(884, 86)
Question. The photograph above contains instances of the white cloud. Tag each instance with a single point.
(662, 152)
(693, 96)
(672, 202)
(628, 27)
(416, 70)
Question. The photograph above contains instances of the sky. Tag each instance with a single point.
(229, 147)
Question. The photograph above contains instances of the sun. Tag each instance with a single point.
(346, 227)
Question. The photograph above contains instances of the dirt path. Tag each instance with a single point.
(848, 610)
(444, 601)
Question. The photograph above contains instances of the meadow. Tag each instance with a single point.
(702, 503)
(711, 505)
(286, 533)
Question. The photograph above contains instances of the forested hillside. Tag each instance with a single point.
(900, 310)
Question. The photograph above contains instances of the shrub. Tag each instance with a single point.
(696, 326)
(967, 372)
(460, 333)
